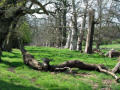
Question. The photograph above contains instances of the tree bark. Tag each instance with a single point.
(97, 45)
(89, 40)
(64, 21)
(80, 36)
(100, 3)
(116, 68)
(110, 73)
(68, 39)
(74, 36)
(0, 54)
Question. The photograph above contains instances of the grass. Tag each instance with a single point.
(14, 75)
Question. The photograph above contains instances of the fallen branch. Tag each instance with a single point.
(110, 73)
(117, 67)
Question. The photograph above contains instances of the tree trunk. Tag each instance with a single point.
(0, 54)
(73, 42)
(68, 39)
(59, 29)
(4, 28)
(98, 42)
(89, 40)
(8, 26)
(97, 45)
(80, 36)
(74, 36)
(64, 21)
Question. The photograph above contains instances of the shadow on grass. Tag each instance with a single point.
(40, 51)
(9, 86)
(13, 64)
(15, 55)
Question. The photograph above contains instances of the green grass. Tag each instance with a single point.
(115, 46)
(14, 75)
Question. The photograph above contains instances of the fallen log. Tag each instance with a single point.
(30, 61)
(45, 66)
(112, 53)
(76, 64)
(117, 67)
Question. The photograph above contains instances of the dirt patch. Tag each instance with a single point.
(11, 69)
(84, 74)
(107, 83)
(33, 79)
(107, 88)
(95, 86)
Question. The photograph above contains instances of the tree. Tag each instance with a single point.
(74, 35)
(10, 13)
(89, 40)
(81, 32)
(68, 39)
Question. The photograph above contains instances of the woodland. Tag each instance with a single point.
(71, 40)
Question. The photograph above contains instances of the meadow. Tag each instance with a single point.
(15, 75)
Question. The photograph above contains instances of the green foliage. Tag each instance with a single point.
(2, 2)
(116, 41)
(25, 32)
(21, 77)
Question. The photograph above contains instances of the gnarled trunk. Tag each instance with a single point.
(4, 28)
(7, 25)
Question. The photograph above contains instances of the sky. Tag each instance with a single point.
(50, 7)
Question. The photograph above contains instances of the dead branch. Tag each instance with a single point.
(117, 67)
(110, 73)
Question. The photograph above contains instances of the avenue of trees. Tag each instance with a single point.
(62, 23)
